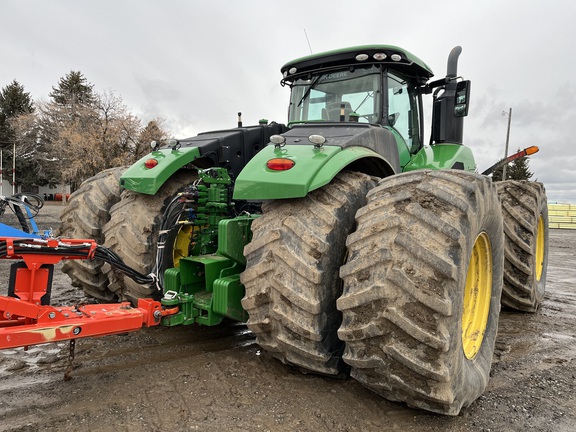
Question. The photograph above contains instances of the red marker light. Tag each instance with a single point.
(280, 164)
(150, 163)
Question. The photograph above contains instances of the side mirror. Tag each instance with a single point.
(392, 119)
(461, 99)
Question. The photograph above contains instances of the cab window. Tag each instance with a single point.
(403, 110)
(325, 97)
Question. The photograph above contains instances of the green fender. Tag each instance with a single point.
(443, 156)
(313, 168)
(148, 180)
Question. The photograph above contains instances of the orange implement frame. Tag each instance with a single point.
(25, 321)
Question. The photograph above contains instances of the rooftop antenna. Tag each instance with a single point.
(308, 40)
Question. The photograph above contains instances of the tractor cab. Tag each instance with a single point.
(378, 85)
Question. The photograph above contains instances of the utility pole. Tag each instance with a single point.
(14, 169)
(509, 114)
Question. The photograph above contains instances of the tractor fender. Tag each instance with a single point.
(229, 148)
(443, 156)
(313, 168)
(140, 178)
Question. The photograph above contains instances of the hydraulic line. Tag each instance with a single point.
(82, 251)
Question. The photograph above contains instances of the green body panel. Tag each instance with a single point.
(195, 294)
(314, 168)
(148, 180)
(228, 294)
(207, 288)
(443, 156)
(403, 151)
(236, 235)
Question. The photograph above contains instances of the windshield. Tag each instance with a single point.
(321, 97)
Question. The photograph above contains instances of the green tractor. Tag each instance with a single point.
(345, 242)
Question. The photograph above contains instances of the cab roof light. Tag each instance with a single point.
(362, 57)
(280, 164)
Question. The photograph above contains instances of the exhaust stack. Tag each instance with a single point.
(447, 125)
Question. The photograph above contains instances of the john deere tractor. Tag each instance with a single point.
(346, 243)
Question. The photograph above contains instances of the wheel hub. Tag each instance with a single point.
(477, 293)
(540, 241)
(182, 244)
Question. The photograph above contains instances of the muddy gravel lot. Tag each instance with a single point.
(200, 379)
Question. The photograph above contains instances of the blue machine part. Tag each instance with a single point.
(32, 221)
(8, 231)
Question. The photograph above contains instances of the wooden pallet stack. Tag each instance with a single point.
(562, 216)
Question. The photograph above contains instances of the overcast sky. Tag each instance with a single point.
(197, 63)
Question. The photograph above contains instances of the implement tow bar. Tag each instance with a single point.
(26, 319)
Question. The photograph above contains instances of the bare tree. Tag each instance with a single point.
(65, 143)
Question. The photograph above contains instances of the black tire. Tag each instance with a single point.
(132, 233)
(83, 218)
(291, 276)
(525, 213)
(405, 288)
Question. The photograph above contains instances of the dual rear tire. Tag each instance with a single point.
(417, 317)
(525, 212)
(84, 218)
(291, 277)
(128, 223)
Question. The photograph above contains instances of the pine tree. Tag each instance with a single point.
(15, 104)
(14, 101)
(73, 89)
(519, 170)
(497, 174)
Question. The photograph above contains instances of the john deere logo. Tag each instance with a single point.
(337, 75)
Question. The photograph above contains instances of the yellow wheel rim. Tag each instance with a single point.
(540, 248)
(477, 295)
(181, 244)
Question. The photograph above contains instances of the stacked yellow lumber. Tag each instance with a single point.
(562, 216)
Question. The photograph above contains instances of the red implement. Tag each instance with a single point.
(25, 320)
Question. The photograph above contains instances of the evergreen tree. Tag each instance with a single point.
(73, 89)
(497, 174)
(14, 101)
(517, 170)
